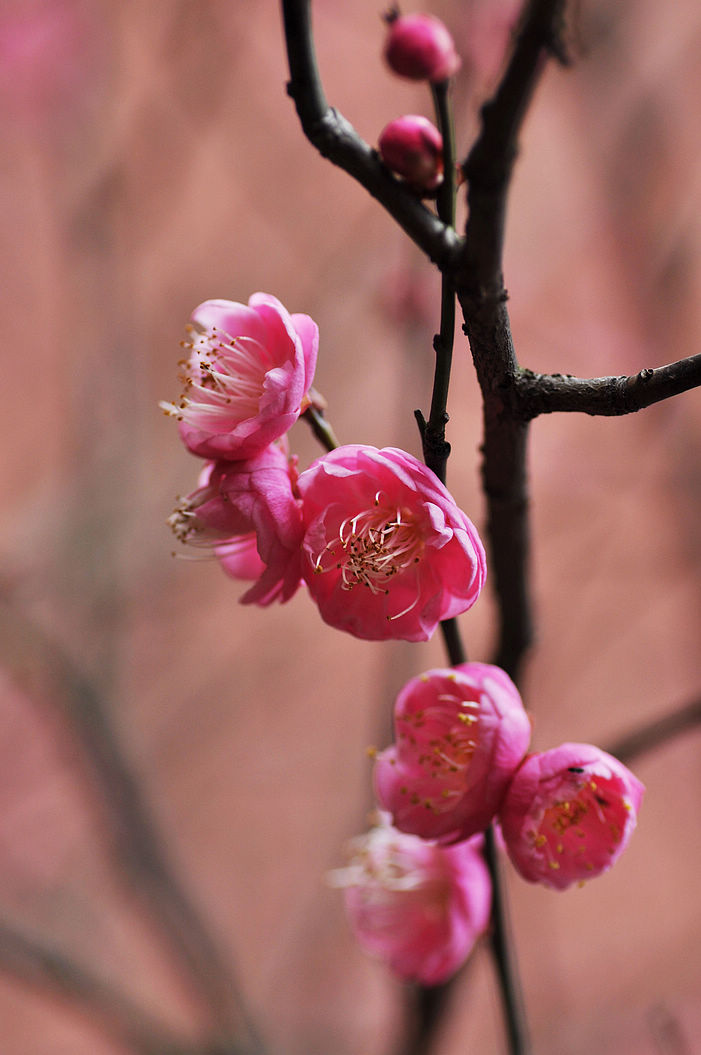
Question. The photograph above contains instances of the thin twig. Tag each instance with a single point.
(435, 448)
(336, 139)
(610, 396)
(502, 952)
(320, 428)
(426, 1004)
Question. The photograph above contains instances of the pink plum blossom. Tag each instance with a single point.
(568, 814)
(412, 147)
(461, 734)
(420, 47)
(246, 377)
(386, 552)
(417, 906)
(247, 512)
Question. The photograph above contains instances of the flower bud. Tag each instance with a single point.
(413, 148)
(569, 814)
(420, 47)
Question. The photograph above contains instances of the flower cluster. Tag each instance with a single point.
(246, 380)
(414, 894)
(381, 544)
(459, 763)
(385, 552)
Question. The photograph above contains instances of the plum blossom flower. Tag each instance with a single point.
(412, 147)
(420, 47)
(248, 514)
(417, 906)
(386, 553)
(461, 734)
(568, 814)
(246, 376)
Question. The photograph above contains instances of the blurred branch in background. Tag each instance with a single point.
(650, 735)
(58, 977)
(134, 839)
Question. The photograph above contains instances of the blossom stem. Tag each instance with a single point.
(435, 447)
(335, 138)
(428, 1007)
(509, 985)
(321, 428)
(454, 644)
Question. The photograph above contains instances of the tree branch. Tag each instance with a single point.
(483, 298)
(610, 396)
(336, 139)
(473, 266)
(489, 164)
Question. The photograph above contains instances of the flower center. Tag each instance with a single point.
(441, 738)
(191, 530)
(371, 548)
(584, 828)
(223, 380)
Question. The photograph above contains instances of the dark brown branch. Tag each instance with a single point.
(610, 396)
(486, 322)
(336, 139)
(655, 733)
(489, 164)
(505, 484)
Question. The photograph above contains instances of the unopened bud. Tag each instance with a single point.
(413, 148)
(420, 47)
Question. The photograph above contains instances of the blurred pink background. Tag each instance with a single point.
(151, 160)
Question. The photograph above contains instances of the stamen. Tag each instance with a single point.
(223, 379)
(373, 547)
